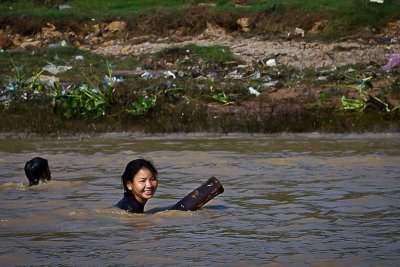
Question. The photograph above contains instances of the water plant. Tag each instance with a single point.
(82, 102)
(223, 98)
(87, 101)
(365, 99)
(141, 105)
(323, 100)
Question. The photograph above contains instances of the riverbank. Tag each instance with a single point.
(226, 73)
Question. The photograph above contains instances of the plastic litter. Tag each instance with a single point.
(376, 1)
(235, 75)
(53, 69)
(271, 83)
(333, 69)
(299, 31)
(110, 81)
(11, 86)
(253, 91)
(63, 43)
(146, 75)
(271, 62)
(168, 74)
(393, 61)
(255, 76)
(62, 7)
(386, 40)
(48, 80)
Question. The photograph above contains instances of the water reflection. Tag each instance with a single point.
(289, 200)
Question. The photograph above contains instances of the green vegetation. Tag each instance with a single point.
(84, 10)
(141, 105)
(366, 100)
(80, 91)
(223, 98)
(345, 17)
(213, 54)
(187, 84)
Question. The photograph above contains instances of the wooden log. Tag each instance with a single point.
(200, 196)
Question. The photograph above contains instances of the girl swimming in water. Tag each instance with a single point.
(140, 184)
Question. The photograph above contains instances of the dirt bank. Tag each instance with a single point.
(254, 39)
(251, 37)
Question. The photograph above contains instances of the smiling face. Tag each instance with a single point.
(143, 186)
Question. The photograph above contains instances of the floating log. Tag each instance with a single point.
(200, 196)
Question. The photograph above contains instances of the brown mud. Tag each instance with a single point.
(291, 40)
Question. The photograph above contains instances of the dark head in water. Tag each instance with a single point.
(36, 170)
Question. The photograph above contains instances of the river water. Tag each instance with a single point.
(289, 200)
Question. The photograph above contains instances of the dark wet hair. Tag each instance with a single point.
(37, 169)
(133, 167)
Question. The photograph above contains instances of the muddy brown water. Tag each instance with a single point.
(289, 200)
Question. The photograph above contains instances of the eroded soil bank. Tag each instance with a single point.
(255, 39)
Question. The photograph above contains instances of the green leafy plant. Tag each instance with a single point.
(323, 99)
(360, 103)
(141, 105)
(223, 98)
(365, 99)
(82, 102)
(87, 102)
(109, 85)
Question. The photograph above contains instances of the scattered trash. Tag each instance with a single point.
(386, 40)
(62, 7)
(110, 81)
(333, 69)
(63, 43)
(253, 91)
(376, 1)
(146, 75)
(271, 84)
(168, 74)
(48, 80)
(53, 69)
(79, 57)
(44, 80)
(322, 78)
(299, 31)
(234, 75)
(11, 86)
(255, 76)
(393, 61)
(4, 99)
(271, 62)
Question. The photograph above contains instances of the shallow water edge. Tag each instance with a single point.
(290, 199)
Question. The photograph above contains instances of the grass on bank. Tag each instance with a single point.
(345, 16)
(163, 104)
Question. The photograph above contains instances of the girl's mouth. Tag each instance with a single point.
(148, 192)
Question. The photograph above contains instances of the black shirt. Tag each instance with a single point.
(130, 204)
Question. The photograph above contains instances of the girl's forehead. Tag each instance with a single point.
(144, 173)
